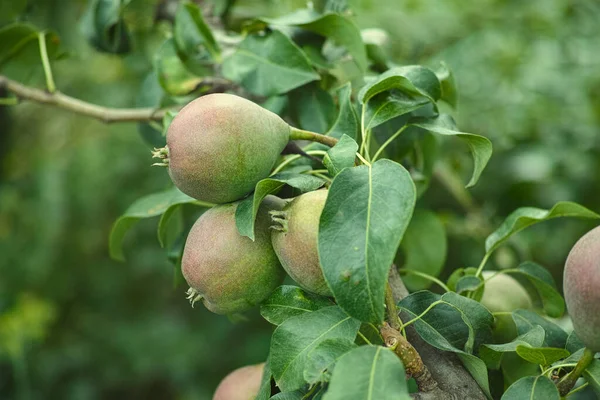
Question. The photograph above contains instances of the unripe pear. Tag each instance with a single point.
(582, 288)
(503, 293)
(220, 145)
(229, 272)
(294, 239)
(241, 384)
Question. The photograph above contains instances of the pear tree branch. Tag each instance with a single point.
(104, 114)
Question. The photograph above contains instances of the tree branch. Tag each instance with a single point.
(60, 100)
(453, 380)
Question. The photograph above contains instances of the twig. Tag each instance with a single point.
(453, 380)
(60, 100)
(104, 114)
(300, 134)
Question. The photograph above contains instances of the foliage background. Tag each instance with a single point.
(75, 324)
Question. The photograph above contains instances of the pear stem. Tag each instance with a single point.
(566, 384)
(300, 134)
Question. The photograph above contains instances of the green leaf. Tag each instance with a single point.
(368, 372)
(323, 357)
(173, 76)
(312, 107)
(341, 156)
(145, 207)
(480, 147)
(424, 248)
(347, 122)
(444, 328)
(532, 387)
(526, 320)
(385, 106)
(492, 354)
(448, 83)
(295, 395)
(366, 213)
(523, 217)
(289, 301)
(592, 375)
(293, 340)
(20, 52)
(541, 279)
(264, 392)
(338, 28)
(574, 343)
(104, 27)
(192, 35)
(245, 214)
(413, 80)
(476, 317)
(11, 10)
(170, 226)
(468, 283)
(269, 64)
(543, 356)
(167, 119)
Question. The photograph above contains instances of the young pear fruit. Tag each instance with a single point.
(582, 288)
(220, 145)
(294, 239)
(229, 272)
(241, 384)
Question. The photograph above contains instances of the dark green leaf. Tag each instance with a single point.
(526, 320)
(145, 207)
(385, 106)
(368, 372)
(444, 328)
(338, 28)
(245, 214)
(532, 387)
(289, 301)
(313, 108)
(366, 213)
(20, 52)
(295, 395)
(523, 217)
(492, 353)
(192, 35)
(592, 375)
(468, 284)
(424, 248)
(347, 122)
(264, 392)
(476, 317)
(170, 226)
(294, 339)
(480, 147)
(10, 10)
(541, 279)
(341, 156)
(322, 358)
(413, 80)
(574, 343)
(543, 356)
(269, 64)
(104, 26)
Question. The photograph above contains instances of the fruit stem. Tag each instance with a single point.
(300, 134)
(567, 383)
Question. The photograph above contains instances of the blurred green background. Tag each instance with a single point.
(76, 325)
